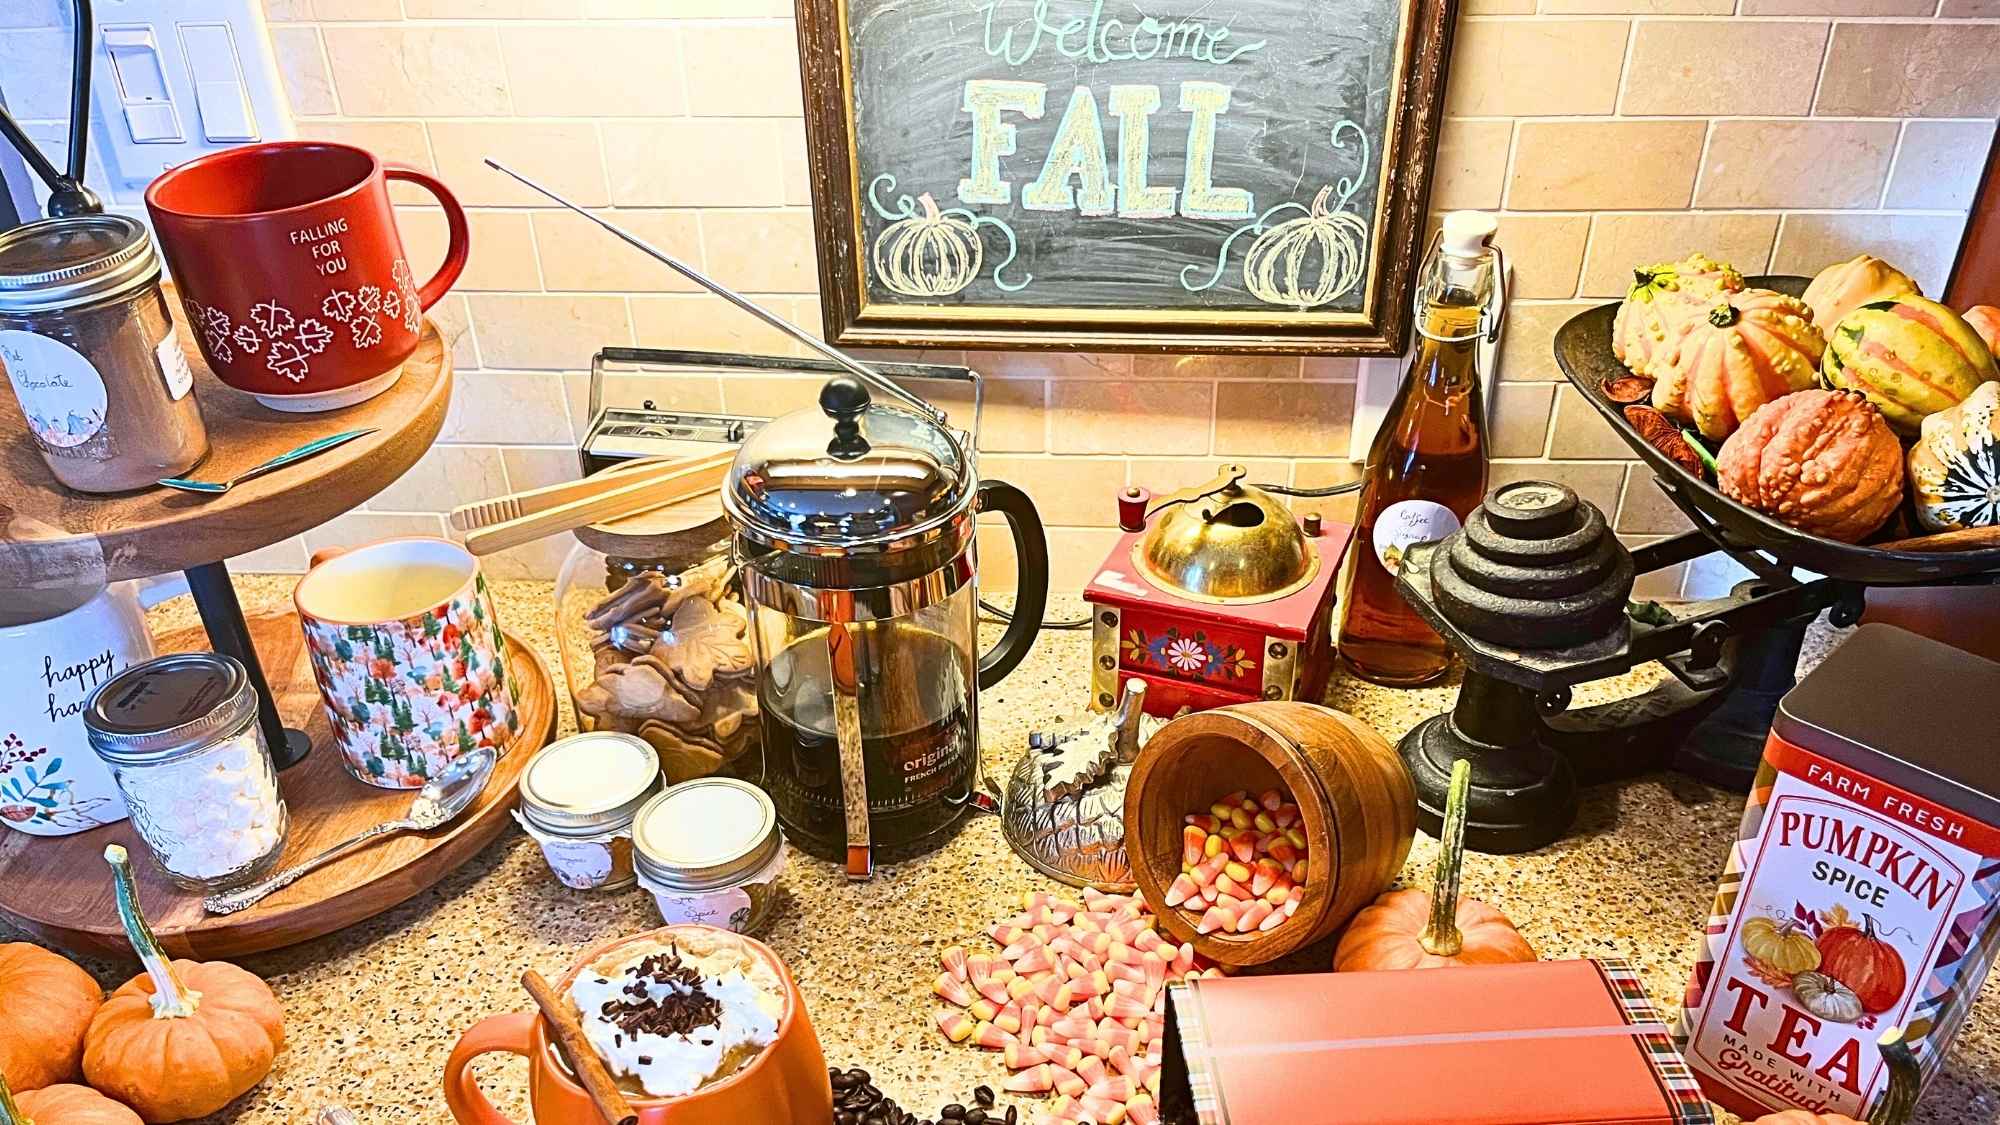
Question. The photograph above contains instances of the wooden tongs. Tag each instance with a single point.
(523, 517)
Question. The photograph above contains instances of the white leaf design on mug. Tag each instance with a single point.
(367, 333)
(246, 338)
(339, 305)
(313, 336)
(285, 359)
(274, 318)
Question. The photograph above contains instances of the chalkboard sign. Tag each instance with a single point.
(1221, 175)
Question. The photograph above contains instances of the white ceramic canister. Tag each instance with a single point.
(578, 797)
(709, 851)
(51, 783)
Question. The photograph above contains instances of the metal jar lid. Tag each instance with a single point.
(168, 708)
(705, 834)
(847, 476)
(62, 263)
(588, 784)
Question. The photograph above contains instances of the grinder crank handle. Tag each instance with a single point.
(1031, 586)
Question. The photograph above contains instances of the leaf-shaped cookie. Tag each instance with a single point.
(703, 642)
(639, 691)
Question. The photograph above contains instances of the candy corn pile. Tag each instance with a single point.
(1075, 1002)
(1243, 864)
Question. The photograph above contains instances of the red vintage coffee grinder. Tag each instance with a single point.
(1215, 595)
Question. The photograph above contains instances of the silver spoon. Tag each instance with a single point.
(312, 448)
(437, 804)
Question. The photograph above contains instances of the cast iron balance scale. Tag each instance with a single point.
(1532, 594)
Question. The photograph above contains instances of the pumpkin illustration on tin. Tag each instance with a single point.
(1780, 944)
(929, 254)
(1308, 261)
(1870, 967)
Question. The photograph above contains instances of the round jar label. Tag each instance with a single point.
(60, 392)
(580, 865)
(1406, 522)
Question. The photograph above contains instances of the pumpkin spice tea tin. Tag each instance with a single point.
(1860, 896)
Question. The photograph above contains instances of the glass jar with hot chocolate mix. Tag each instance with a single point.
(578, 797)
(92, 352)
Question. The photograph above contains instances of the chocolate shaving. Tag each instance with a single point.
(1628, 388)
(681, 1011)
(1661, 433)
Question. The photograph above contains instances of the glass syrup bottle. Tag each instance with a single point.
(1427, 467)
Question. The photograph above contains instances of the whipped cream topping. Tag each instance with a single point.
(673, 1020)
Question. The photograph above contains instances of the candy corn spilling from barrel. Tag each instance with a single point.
(1074, 1002)
(1243, 864)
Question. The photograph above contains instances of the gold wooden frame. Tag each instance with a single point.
(1381, 327)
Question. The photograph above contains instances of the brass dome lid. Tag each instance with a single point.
(1225, 541)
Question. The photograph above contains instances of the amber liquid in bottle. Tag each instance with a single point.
(1426, 472)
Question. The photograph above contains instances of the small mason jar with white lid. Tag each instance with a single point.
(578, 797)
(710, 851)
(180, 734)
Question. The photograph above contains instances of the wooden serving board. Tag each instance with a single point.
(59, 888)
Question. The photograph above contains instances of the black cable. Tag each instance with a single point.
(1002, 615)
(1330, 490)
(79, 91)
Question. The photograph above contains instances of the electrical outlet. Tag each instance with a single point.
(174, 79)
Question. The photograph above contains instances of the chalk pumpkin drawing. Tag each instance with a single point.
(1309, 261)
(926, 252)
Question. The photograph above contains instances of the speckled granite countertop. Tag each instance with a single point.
(373, 1011)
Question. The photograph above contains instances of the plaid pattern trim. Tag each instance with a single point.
(1684, 1096)
(1202, 1080)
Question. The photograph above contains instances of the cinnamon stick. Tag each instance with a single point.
(1964, 539)
(576, 1051)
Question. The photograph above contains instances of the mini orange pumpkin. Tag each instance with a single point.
(65, 1104)
(1892, 1108)
(46, 1002)
(1411, 929)
(184, 1038)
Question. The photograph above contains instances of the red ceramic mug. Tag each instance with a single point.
(292, 270)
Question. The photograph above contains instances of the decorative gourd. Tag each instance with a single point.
(1826, 997)
(184, 1038)
(1821, 461)
(1309, 261)
(63, 1104)
(1861, 960)
(929, 255)
(1985, 320)
(1661, 296)
(1781, 944)
(1748, 348)
(1955, 464)
(1411, 929)
(1842, 288)
(46, 1002)
(1910, 356)
(1893, 1107)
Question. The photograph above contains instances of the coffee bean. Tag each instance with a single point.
(952, 1112)
(983, 1095)
(976, 1117)
(858, 1075)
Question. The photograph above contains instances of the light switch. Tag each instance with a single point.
(141, 82)
(218, 83)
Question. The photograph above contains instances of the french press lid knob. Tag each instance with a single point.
(844, 399)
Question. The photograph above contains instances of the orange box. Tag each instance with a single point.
(1546, 1043)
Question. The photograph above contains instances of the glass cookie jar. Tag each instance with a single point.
(655, 639)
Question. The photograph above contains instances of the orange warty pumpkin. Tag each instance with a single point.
(1821, 461)
(64, 1104)
(1413, 929)
(46, 1002)
(1747, 349)
(184, 1038)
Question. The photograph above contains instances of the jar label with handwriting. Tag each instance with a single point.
(581, 865)
(60, 392)
(174, 366)
(1408, 522)
(728, 908)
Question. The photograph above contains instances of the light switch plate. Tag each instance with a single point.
(221, 86)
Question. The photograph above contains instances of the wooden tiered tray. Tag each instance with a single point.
(59, 888)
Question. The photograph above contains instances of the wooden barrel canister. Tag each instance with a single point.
(1353, 792)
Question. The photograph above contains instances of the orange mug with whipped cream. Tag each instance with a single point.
(736, 1049)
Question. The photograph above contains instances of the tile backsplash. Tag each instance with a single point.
(1778, 134)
